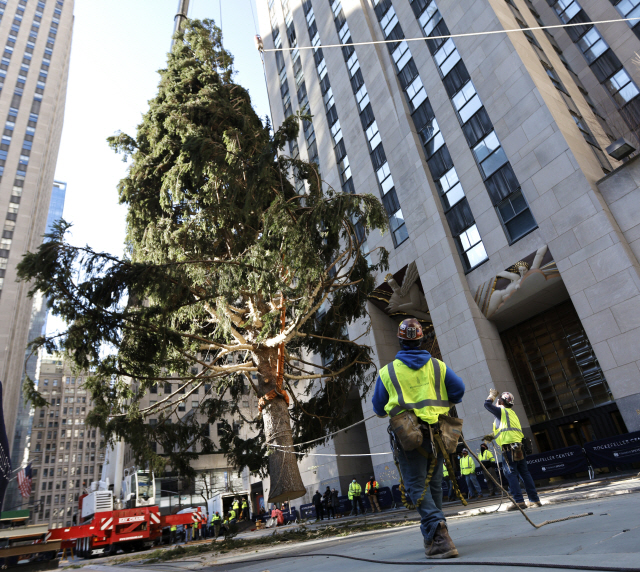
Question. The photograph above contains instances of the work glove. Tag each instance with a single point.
(488, 438)
(492, 394)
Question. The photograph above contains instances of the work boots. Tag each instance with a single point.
(513, 506)
(442, 545)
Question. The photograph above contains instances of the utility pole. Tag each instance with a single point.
(181, 17)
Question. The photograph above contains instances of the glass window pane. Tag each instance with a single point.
(470, 109)
(518, 202)
(473, 234)
(486, 146)
(476, 255)
(454, 195)
(401, 234)
(494, 162)
(521, 224)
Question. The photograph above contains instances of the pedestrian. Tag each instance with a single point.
(187, 533)
(328, 504)
(173, 533)
(468, 469)
(245, 509)
(416, 378)
(216, 522)
(335, 502)
(355, 496)
(225, 528)
(236, 506)
(317, 502)
(489, 462)
(508, 434)
(371, 490)
(447, 481)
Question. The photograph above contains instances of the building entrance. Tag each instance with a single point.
(563, 389)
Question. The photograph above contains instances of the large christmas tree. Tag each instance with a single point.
(223, 256)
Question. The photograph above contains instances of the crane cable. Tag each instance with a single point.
(447, 36)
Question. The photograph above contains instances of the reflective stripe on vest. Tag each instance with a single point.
(510, 430)
(467, 466)
(430, 376)
(487, 456)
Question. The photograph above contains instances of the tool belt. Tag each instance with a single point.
(516, 450)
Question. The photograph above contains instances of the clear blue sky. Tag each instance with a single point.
(118, 46)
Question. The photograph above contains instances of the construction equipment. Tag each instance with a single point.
(131, 529)
(25, 546)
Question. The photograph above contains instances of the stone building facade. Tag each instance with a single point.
(488, 153)
(33, 84)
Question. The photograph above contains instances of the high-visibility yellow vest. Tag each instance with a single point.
(467, 465)
(355, 490)
(487, 456)
(235, 505)
(226, 522)
(215, 518)
(422, 390)
(445, 472)
(173, 528)
(509, 431)
(232, 514)
(244, 504)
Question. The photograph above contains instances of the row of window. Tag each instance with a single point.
(456, 206)
(77, 445)
(629, 9)
(606, 66)
(566, 97)
(498, 175)
(64, 458)
(12, 213)
(386, 186)
(62, 472)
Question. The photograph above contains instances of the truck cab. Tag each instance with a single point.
(138, 488)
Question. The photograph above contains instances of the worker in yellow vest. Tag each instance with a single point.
(232, 516)
(173, 533)
(225, 529)
(489, 462)
(508, 434)
(468, 470)
(371, 490)
(355, 492)
(216, 521)
(447, 480)
(419, 388)
(236, 506)
(245, 509)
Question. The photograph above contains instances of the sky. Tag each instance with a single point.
(118, 46)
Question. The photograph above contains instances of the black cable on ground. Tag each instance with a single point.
(450, 562)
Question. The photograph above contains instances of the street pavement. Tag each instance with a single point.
(609, 537)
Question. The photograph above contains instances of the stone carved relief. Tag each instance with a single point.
(514, 285)
(407, 299)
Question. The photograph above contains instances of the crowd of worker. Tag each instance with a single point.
(416, 392)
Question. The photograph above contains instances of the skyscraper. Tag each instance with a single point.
(33, 74)
(37, 327)
(488, 153)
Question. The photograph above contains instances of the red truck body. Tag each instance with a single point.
(127, 529)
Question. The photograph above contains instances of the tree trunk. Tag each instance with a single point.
(286, 482)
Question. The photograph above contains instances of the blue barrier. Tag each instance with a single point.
(557, 462)
(623, 449)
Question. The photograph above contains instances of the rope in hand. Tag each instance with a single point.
(515, 503)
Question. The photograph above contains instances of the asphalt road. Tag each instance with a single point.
(610, 537)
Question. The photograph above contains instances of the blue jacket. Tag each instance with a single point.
(415, 359)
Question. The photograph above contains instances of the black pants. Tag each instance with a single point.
(319, 512)
(330, 510)
(354, 504)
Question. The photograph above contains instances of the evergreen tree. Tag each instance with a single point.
(223, 255)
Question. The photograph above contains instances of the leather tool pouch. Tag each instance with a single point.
(451, 431)
(517, 451)
(406, 428)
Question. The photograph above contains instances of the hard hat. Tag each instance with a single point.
(465, 451)
(410, 329)
(507, 398)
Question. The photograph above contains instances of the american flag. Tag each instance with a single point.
(24, 481)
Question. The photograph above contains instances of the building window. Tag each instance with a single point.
(516, 216)
(489, 154)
